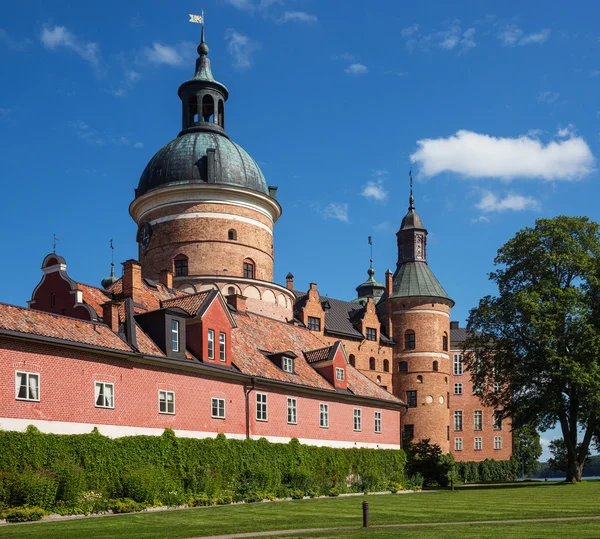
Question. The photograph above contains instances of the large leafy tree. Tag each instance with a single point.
(527, 448)
(534, 349)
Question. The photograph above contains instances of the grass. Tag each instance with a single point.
(470, 504)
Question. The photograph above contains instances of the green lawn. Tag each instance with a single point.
(467, 504)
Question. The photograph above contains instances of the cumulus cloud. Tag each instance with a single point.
(511, 35)
(336, 211)
(297, 16)
(356, 69)
(490, 202)
(60, 37)
(451, 37)
(476, 155)
(375, 190)
(241, 48)
(178, 55)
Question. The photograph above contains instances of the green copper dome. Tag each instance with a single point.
(416, 279)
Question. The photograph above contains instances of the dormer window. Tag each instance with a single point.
(371, 334)
(211, 344)
(314, 323)
(287, 364)
(222, 351)
(339, 374)
(175, 335)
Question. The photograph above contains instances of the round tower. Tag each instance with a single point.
(203, 207)
(419, 310)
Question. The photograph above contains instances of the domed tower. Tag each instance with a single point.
(203, 207)
(419, 309)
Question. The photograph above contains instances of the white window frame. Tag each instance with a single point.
(262, 411)
(220, 406)
(458, 388)
(211, 343)
(339, 374)
(28, 377)
(497, 442)
(357, 420)
(377, 422)
(497, 387)
(478, 443)
(457, 365)
(292, 411)
(497, 422)
(175, 335)
(222, 347)
(458, 414)
(165, 393)
(287, 364)
(323, 415)
(458, 444)
(477, 419)
(103, 386)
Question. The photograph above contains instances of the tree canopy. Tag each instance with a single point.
(533, 350)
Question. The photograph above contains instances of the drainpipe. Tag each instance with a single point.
(247, 391)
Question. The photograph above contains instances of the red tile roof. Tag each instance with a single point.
(94, 297)
(150, 296)
(312, 356)
(146, 345)
(190, 303)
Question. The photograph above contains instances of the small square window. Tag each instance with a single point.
(314, 323)
(222, 349)
(371, 334)
(292, 411)
(324, 416)
(478, 444)
(166, 402)
(458, 444)
(458, 389)
(378, 422)
(357, 419)
(339, 374)
(181, 267)
(27, 386)
(105, 395)
(288, 364)
(411, 399)
(248, 270)
(211, 344)
(261, 407)
(218, 408)
(175, 335)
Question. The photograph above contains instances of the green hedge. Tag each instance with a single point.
(46, 469)
(487, 471)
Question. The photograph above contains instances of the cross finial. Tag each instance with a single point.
(54, 244)
(112, 259)
(411, 200)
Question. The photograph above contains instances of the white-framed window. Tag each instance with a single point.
(458, 389)
(292, 411)
(378, 422)
(104, 395)
(27, 386)
(175, 335)
(458, 420)
(217, 408)
(458, 364)
(497, 442)
(288, 364)
(458, 445)
(211, 344)
(261, 407)
(166, 402)
(478, 444)
(222, 352)
(497, 420)
(357, 419)
(339, 374)
(324, 415)
(478, 420)
(497, 387)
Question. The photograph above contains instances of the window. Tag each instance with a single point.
(478, 444)
(458, 421)
(218, 408)
(386, 365)
(314, 323)
(410, 342)
(222, 349)
(409, 432)
(411, 399)
(166, 402)
(445, 342)
(261, 407)
(378, 422)
(448, 432)
(357, 419)
(371, 334)
(248, 269)
(497, 442)
(458, 390)
(419, 379)
(181, 267)
(292, 413)
(436, 366)
(497, 387)
(497, 420)
(324, 415)
(458, 444)
(372, 363)
(339, 374)
(477, 420)
(27, 386)
(230, 290)
(458, 366)
(211, 344)
(232, 235)
(403, 366)
(52, 300)
(287, 364)
(208, 108)
(175, 335)
(105, 395)
(352, 360)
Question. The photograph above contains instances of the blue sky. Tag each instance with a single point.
(496, 109)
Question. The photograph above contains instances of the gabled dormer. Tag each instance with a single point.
(312, 313)
(166, 327)
(331, 363)
(285, 360)
(369, 324)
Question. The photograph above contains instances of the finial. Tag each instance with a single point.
(106, 283)
(411, 200)
(54, 244)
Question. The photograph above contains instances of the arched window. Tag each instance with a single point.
(420, 379)
(403, 366)
(249, 268)
(230, 290)
(193, 109)
(221, 113)
(352, 360)
(372, 363)
(436, 366)
(232, 234)
(445, 342)
(180, 262)
(410, 341)
(386, 365)
(208, 108)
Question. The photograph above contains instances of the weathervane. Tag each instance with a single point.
(54, 244)
(371, 244)
(411, 199)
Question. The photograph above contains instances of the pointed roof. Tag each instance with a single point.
(411, 219)
(417, 279)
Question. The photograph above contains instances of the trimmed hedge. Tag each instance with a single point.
(487, 471)
(48, 469)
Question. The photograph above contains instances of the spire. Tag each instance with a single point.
(411, 200)
(109, 281)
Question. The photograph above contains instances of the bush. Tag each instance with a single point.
(427, 460)
(127, 505)
(394, 487)
(487, 471)
(199, 500)
(24, 514)
(33, 488)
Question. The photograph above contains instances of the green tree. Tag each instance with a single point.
(534, 348)
(527, 448)
(559, 461)
(427, 459)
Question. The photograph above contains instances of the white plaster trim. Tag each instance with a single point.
(327, 443)
(423, 354)
(429, 311)
(54, 268)
(212, 215)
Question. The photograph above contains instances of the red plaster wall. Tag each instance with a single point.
(216, 319)
(64, 298)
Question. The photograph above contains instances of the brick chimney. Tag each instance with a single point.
(238, 302)
(110, 315)
(388, 283)
(166, 278)
(289, 281)
(132, 280)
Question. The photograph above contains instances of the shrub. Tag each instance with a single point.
(127, 505)
(199, 500)
(394, 487)
(333, 491)
(33, 488)
(24, 514)
(71, 483)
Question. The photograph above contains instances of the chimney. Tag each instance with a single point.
(453, 325)
(110, 315)
(132, 280)
(238, 302)
(166, 278)
(130, 330)
(388, 283)
(289, 281)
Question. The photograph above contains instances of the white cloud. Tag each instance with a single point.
(241, 48)
(97, 138)
(480, 219)
(548, 97)
(375, 190)
(490, 202)
(383, 226)
(138, 145)
(178, 55)
(12, 43)
(511, 35)
(538, 38)
(565, 132)
(336, 211)
(243, 5)
(356, 69)
(409, 30)
(297, 16)
(477, 155)
(59, 36)
(452, 37)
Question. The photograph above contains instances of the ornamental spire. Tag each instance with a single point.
(411, 200)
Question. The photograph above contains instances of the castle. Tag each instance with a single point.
(196, 336)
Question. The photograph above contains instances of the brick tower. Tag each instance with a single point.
(203, 208)
(418, 310)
